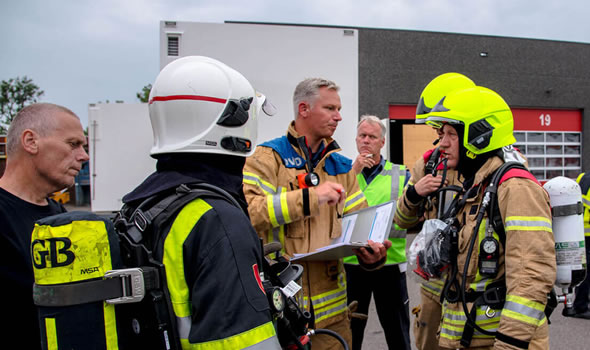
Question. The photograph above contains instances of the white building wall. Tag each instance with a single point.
(119, 139)
(274, 58)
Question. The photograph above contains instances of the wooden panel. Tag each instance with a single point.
(418, 139)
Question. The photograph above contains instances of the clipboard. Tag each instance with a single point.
(372, 223)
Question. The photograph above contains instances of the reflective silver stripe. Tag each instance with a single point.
(338, 307)
(327, 298)
(397, 173)
(460, 333)
(453, 317)
(276, 204)
(388, 172)
(394, 184)
(524, 310)
(402, 217)
(480, 286)
(260, 184)
(527, 223)
(450, 332)
(585, 201)
(184, 326)
(432, 287)
(351, 200)
(479, 318)
(276, 234)
(271, 343)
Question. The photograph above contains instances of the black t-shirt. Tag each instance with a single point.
(17, 219)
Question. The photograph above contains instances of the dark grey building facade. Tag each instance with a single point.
(395, 65)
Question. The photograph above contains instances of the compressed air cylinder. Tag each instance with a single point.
(568, 229)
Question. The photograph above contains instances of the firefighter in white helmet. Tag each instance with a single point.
(204, 119)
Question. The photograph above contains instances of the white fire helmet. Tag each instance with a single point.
(200, 105)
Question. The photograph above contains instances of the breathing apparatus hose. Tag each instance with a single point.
(488, 198)
(482, 210)
(440, 191)
(330, 333)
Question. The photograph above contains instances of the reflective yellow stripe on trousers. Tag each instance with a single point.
(454, 323)
(330, 303)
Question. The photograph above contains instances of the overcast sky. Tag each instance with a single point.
(83, 51)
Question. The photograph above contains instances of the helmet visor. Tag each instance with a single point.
(422, 108)
(267, 107)
(421, 111)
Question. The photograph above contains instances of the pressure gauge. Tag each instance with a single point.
(489, 246)
(277, 299)
(489, 257)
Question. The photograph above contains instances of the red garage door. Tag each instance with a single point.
(551, 139)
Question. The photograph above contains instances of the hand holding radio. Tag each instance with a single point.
(428, 184)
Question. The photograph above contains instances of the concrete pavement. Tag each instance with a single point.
(565, 333)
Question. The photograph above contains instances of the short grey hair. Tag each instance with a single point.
(372, 119)
(38, 117)
(308, 90)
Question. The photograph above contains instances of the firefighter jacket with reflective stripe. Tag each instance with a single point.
(386, 186)
(212, 257)
(207, 257)
(281, 211)
(584, 182)
(407, 213)
(527, 262)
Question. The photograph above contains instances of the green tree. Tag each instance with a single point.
(144, 94)
(15, 94)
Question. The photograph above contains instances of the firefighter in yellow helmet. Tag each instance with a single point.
(504, 266)
(419, 201)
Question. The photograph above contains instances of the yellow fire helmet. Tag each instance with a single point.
(485, 115)
(438, 88)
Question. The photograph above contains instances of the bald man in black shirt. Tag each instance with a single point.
(45, 152)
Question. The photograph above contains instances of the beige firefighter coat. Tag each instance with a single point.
(527, 262)
(281, 211)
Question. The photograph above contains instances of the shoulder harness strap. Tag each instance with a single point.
(130, 285)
